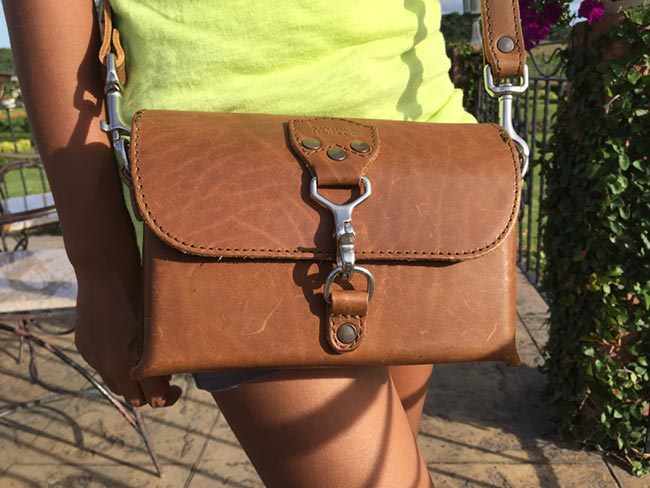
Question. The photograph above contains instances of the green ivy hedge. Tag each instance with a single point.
(597, 243)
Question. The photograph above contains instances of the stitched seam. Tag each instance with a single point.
(518, 35)
(325, 254)
(488, 16)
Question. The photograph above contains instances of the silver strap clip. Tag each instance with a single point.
(115, 126)
(345, 235)
(506, 93)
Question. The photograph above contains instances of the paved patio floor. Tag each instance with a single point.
(484, 425)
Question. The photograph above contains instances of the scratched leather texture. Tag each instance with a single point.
(236, 252)
(229, 185)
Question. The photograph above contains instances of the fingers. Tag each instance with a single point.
(131, 392)
(159, 393)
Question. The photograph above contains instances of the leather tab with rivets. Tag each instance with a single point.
(334, 161)
(346, 326)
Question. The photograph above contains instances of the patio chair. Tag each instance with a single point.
(25, 199)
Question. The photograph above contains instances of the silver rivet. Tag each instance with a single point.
(505, 44)
(336, 153)
(360, 146)
(310, 143)
(347, 333)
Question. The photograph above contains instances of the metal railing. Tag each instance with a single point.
(534, 117)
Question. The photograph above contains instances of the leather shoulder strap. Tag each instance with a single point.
(110, 38)
(503, 40)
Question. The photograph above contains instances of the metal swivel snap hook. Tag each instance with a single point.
(344, 233)
(506, 93)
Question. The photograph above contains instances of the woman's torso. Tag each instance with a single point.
(363, 58)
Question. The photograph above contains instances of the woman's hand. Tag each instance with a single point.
(107, 336)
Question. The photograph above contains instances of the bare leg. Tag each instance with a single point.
(411, 383)
(342, 427)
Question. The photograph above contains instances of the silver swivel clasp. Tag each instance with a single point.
(115, 126)
(506, 93)
(345, 237)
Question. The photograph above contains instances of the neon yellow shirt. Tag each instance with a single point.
(346, 58)
(381, 59)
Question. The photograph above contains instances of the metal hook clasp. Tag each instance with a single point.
(370, 279)
(344, 233)
(115, 126)
(506, 93)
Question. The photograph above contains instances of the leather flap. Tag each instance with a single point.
(230, 185)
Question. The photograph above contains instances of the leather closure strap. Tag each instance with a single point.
(347, 319)
(503, 40)
(337, 152)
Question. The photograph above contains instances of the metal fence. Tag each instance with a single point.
(534, 117)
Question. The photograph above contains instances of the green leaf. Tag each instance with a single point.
(623, 161)
(634, 76)
(619, 184)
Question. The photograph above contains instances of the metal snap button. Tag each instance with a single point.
(505, 44)
(336, 153)
(310, 143)
(360, 146)
(347, 333)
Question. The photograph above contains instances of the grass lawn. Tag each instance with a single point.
(31, 181)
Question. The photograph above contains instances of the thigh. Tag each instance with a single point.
(342, 427)
(412, 383)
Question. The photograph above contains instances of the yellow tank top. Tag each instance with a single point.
(362, 58)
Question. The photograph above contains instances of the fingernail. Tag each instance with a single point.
(157, 402)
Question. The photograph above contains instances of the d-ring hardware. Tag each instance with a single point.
(327, 292)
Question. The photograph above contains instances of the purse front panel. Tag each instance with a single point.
(203, 314)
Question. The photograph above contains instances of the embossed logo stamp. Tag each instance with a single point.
(331, 131)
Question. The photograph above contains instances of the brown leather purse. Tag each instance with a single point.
(283, 241)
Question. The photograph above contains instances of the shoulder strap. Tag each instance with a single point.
(110, 38)
(503, 42)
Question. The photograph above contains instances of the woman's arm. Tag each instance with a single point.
(55, 52)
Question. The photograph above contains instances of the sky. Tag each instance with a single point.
(447, 7)
(4, 35)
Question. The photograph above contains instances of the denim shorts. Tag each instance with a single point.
(216, 381)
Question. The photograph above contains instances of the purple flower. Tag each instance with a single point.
(537, 26)
(591, 10)
(551, 12)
